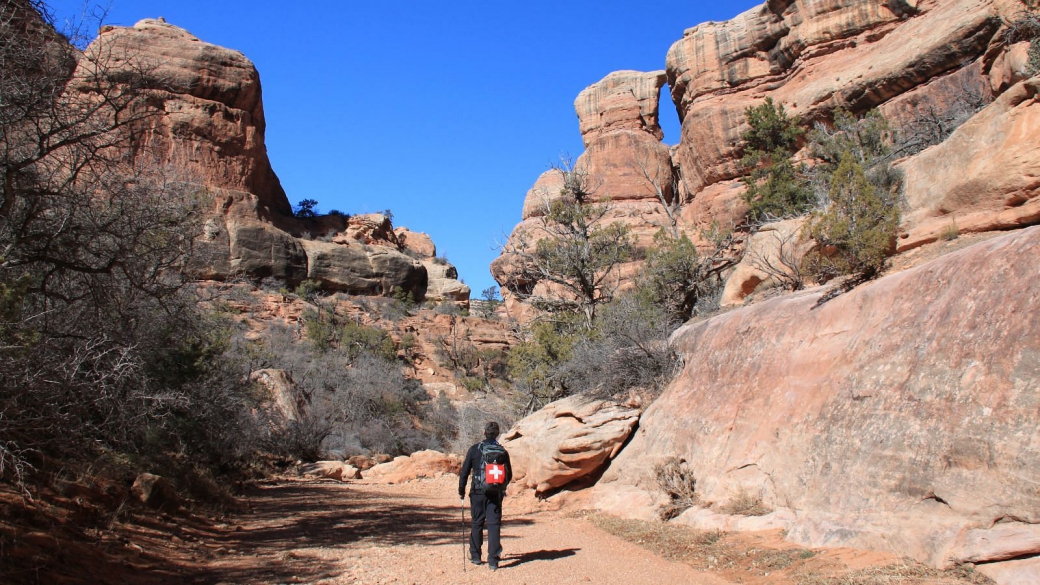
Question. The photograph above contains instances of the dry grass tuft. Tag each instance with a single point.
(702, 549)
(904, 572)
(745, 503)
(676, 479)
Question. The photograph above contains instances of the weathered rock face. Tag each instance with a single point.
(358, 269)
(624, 164)
(773, 254)
(211, 119)
(812, 57)
(900, 416)
(444, 282)
(283, 403)
(986, 176)
(419, 243)
(567, 440)
(623, 100)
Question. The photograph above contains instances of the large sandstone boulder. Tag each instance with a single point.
(444, 284)
(418, 465)
(367, 270)
(419, 243)
(156, 492)
(283, 404)
(568, 440)
(773, 257)
(336, 470)
(900, 416)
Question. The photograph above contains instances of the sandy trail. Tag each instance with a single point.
(323, 532)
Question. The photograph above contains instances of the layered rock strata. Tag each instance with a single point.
(203, 123)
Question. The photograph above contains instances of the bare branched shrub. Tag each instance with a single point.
(472, 416)
(782, 258)
(676, 479)
(934, 120)
(627, 350)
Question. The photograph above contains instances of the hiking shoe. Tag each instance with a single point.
(493, 567)
(476, 561)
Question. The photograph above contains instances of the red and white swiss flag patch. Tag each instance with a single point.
(495, 474)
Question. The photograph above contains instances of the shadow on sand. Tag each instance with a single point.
(538, 555)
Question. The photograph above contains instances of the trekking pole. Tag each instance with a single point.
(463, 506)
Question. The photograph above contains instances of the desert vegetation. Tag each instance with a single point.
(103, 351)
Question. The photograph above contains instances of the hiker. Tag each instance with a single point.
(489, 463)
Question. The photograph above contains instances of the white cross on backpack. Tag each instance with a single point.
(495, 473)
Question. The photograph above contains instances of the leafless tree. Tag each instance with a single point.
(662, 181)
(575, 250)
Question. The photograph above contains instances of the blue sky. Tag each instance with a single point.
(443, 112)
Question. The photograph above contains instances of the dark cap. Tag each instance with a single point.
(491, 430)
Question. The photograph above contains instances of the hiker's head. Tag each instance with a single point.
(491, 430)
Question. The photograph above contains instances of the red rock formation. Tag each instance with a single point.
(905, 56)
(900, 416)
(203, 121)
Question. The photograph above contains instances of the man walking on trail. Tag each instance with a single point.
(489, 463)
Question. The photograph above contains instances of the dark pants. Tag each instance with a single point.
(486, 509)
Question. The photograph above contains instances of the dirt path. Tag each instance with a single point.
(326, 532)
(323, 532)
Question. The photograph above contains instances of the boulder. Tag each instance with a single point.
(566, 441)
(371, 229)
(900, 416)
(421, 464)
(156, 492)
(365, 270)
(772, 258)
(361, 462)
(336, 470)
(283, 402)
(444, 284)
(418, 243)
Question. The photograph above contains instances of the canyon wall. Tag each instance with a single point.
(909, 58)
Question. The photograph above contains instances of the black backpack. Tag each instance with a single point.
(490, 474)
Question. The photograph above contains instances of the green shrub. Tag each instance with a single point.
(775, 187)
(857, 231)
(681, 280)
(320, 328)
(356, 339)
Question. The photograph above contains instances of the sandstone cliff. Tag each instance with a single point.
(900, 416)
(203, 124)
(906, 57)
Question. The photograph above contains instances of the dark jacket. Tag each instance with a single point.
(472, 462)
